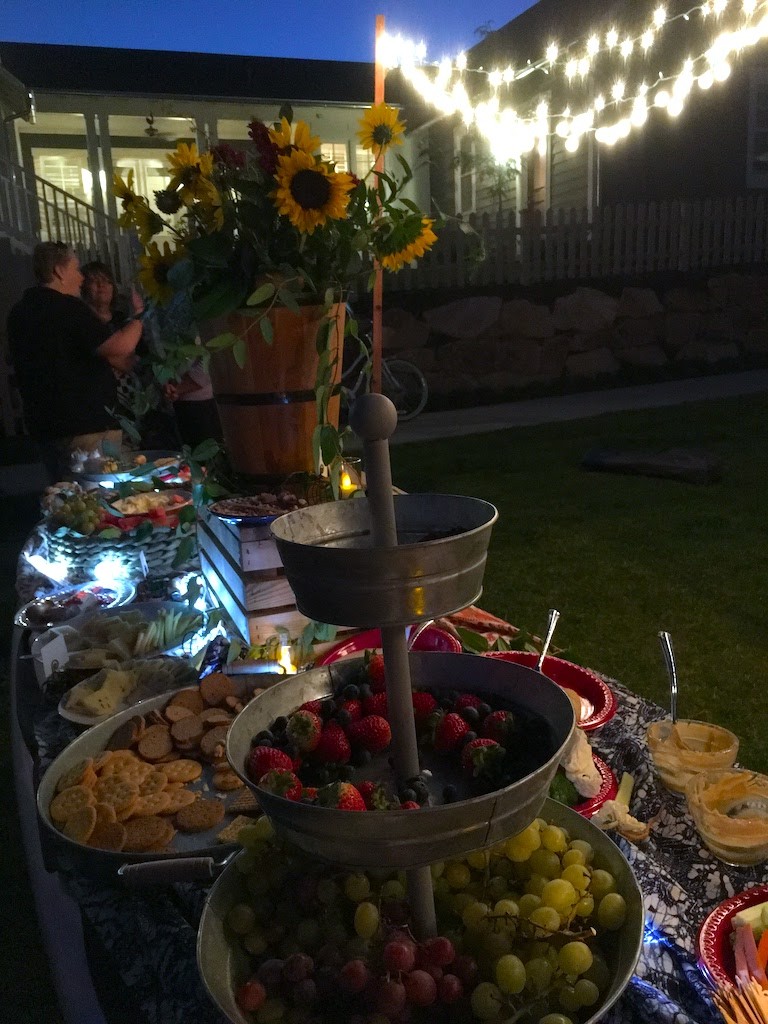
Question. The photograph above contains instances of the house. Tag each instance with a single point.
(716, 147)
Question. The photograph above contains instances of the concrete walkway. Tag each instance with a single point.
(431, 426)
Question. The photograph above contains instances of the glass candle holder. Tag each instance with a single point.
(685, 748)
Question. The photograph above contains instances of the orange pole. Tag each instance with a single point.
(378, 280)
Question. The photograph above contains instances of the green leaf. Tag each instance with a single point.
(185, 551)
(110, 533)
(206, 450)
(286, 111)
(226, 294)
(221, 341)
(473, 642)
(187, 514)
(265, 326)
(288, 299)
(143, 530)
(262, 294)
(240, 352)
(211, 250)
(234, 651)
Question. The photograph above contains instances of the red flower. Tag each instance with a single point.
(265, 147)
(228, 156)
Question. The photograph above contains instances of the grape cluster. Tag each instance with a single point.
(80, 512)
(520, 926)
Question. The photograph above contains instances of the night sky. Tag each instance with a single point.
(285, 28)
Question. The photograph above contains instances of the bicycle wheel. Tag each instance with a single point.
(405, 386)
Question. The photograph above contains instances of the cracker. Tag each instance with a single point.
(80, 825)
(187, 732)
(244, 802)
(119, 759)
(80, 774)
(127, 734)
(108, 835)
(215, 716)
(126, 812)
(69, 801)
(189, 698)
(225, 780)
(175, 713)
(231, 831)
(105, 813)
(152, 803)
(215, 687)
(183, 770)
(111, 789)
(101, 761)
(143, 833)
(200, 815)
(135, 773)
(179, 798)
(213, 745)
(155, 743)
(154, 782)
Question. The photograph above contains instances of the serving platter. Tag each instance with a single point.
(430, 638)
(608, 790)
(713, 942)
(598, 701)
(132, 471)
(119, 592)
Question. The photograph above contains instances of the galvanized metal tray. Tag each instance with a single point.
(410, 838)
(223, 965)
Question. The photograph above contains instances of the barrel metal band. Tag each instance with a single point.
(271, 397)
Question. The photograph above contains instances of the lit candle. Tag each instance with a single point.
(349, 479)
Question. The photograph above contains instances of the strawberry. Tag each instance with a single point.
(499, 726)
(423, 706)
(449, 731)
(333, 746)
(482, 757)
(376, 704)
(374, 795)
(410, 805)
(374, 667)
(466, 700)
(281, 782)
(263, 759)
(353, 708)
(312, 705)
(343, 796)
(304, 728)
(371, 733)
(309, 794)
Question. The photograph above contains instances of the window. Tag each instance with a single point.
(335, 153)
(363, 161)
(757, 141)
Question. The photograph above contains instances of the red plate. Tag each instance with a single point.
(713, 943)
(598, 702)
(431, 638)
(607, 791)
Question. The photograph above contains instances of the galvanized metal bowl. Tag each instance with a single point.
(411, 838)
(339, 577)
(223, 965)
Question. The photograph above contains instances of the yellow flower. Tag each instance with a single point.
(303, 138)
(191, 170)
(424, 238)
(309, 193)
(155, 265)
(147, 222)
(123, 189)
(380, 128)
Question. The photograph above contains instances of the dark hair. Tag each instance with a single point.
(47, 256)
(97, 269)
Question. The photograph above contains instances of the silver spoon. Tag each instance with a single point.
(669, 660)
(554, 615)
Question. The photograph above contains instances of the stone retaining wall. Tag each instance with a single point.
(493, 346)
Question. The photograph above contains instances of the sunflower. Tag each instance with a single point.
(302, 139)
(380, 128)
(147, 222)
(191, 170)
(155, 265)
(309, 193)
(408, 241)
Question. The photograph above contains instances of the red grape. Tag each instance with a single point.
(438, 951)
(250, 996)
(390, 998)
(449, 989)
(399, 956)
(354, 976)
(420, 988)
(466, 970)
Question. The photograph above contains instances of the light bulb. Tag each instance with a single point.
(572, 143)
(675, 106)
(552, 52)
(661, 99)
(722, 70)
(706, 80)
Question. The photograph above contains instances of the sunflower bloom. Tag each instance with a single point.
(153, 274)
(380, 128)
(424, 238)
(299, 136)
(191, 170)
(146, 221)
(309, 193)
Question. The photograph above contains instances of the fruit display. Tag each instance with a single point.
(44, 612)
(106, 516)
(526, 930)
(79, 511)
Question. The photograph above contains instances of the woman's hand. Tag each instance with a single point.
(137, 303)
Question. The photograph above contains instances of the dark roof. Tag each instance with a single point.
(110, 71)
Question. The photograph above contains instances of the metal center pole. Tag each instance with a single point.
(374, 419)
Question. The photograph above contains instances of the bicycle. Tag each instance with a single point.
(403, 383)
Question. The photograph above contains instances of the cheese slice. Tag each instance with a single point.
(114, 687)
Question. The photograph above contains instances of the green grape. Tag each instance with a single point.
(496, 887)
(575, 958)
(272, 1010)
(553, 838)
(475, 914)
(495, 944)
(510, 974)
(566, 996)
(437, 868)
(461, 900)
(476, 889)
(508, 912)
(357, 887)
(366, 920)
(504, 868)
(478, 859)
(578, 876)
(602, 882)
(587, 992)
(538, 974)
(560, 894)
(612, 911)
(555, 1018)
(255, 943)
(441, 888)
(394, 889)
(520, 847)
(571, 857)
(584, 847)
(309, 934)
(527, 904)
(585, 906)
(240, 918)
(457, 875)
(486, 1001)
(257, 884)
(356, 948)
(546, 919)
(327, 892)
(598, 973)
(545, 862)
(535, 884)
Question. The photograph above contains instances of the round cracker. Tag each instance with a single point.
(200, 816)
(105, 813)
(80, 826)
(80, 774)
(152, 803)
(227, 780)
(143, 833)
(183, 770)
(154, 782)
(108, 835)
(69, 801)
(112, 789)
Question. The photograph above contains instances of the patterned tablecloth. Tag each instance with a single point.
(145, 941)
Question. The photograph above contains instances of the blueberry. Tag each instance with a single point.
(262, 741)
(468, 737)
(450, 794)
(328, 710)
(364, 691)
(360, 756)
(470, 715)
(483, 710)
(343, 717)
(351, 692)
(406, 795)
(279, 724)
(345, 772)
(446, 703)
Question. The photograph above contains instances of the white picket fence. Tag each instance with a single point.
(628, 240)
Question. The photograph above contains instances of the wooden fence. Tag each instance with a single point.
(629, 240)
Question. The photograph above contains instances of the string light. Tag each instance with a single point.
(446, 90)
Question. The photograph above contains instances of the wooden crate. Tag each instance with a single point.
(250, 547)
(254, 589)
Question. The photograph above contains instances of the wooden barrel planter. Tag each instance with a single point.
(267, 407)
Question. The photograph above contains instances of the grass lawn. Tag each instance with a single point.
(622, 557)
